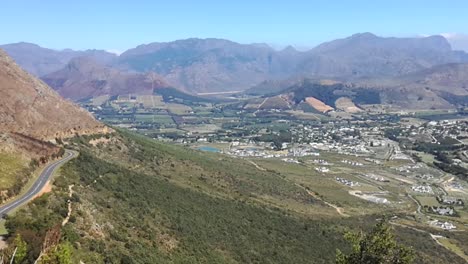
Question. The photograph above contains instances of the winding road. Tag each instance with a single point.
(38, 185)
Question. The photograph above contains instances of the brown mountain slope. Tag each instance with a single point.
(451, 78)
(441, 86)
(28, 106)
(84, 77)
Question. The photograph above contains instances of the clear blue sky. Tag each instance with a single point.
(121, 25)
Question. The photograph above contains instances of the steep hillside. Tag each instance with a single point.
(346, 104)
(40, 61)
(30, 107)
(135, 200)
(452, 78)
(84, 78)
(441, 86)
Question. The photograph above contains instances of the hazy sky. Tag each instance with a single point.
(119, 25)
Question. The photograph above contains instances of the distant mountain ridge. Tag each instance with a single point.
(208, 65)
(215, 65)
(366, 54)
(40, 61)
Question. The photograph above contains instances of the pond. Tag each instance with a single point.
(209, 149)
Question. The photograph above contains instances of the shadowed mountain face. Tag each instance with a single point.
(84, 78)
(41, 61)
(212, 65)
(441, 77)
(207, 65)
(369, 55)
(28, 106)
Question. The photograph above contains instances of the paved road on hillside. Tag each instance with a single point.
(38, 185)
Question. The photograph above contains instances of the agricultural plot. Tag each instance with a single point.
(178, 109)
(427, 200)
(100, 100)
(151, 101)
(160, 119)
(201, 129)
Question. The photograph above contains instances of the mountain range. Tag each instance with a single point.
(439, 87)
(40, 61)
(368, 55)
(217, 65)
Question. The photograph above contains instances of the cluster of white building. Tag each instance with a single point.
(352, 163)
(247, 151)
(450, 200)
(373, 161)
(347, 182)
(456, 185)
(398, 155)
(425, 176)
(322, 169)
(443, 225)
(251, 153)
(376, 177)
(290, 160)
(422, 188)
(442, 210)
(321, 162)
(378, 200)
(409, 168)
(303, 152)
(342, 148)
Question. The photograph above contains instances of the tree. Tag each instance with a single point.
(378, 246)
(21, 249)
(16, 252)
(63, 253)
(60, 254)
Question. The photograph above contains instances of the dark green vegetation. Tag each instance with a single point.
(459, 100)
(277, 140)
(378, 246)
(138, 201)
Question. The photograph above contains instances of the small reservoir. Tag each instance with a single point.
(209, 149)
